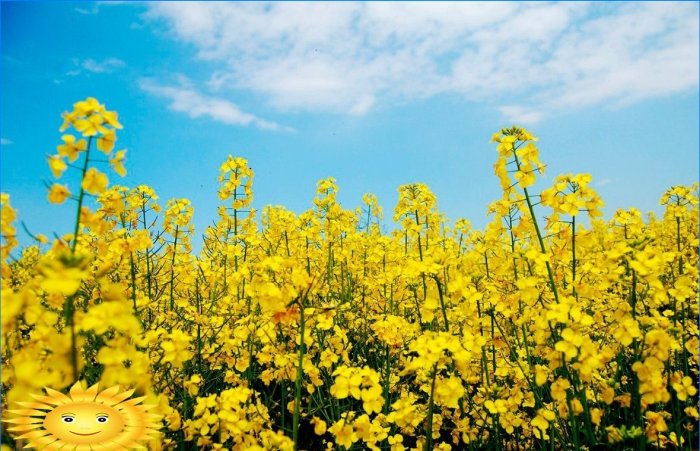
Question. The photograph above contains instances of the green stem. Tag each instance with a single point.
(297, 393)
(387, 380)
(573, 256)
(172, 271)
(528, 200)
(148, 258)
(442, 303)
(429, 423)
(678, 245)
(133, 288)
(69, 307)
(81, 196)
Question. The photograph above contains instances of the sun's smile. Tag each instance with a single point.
(89, 418)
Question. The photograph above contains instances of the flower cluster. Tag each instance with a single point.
(323, 330)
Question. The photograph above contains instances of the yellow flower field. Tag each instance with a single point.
(552, 328)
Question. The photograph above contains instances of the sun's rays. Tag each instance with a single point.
(47, 422)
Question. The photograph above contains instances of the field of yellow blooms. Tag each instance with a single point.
(550, 329)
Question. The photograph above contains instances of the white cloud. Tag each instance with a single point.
(95, 9)
(5, 142)
(99, 67)
(84, 11)
(349, 57)
(88, 12)
(108, 65)
(520, 115)
(363, 105)
(184, 99)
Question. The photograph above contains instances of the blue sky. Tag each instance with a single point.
(374, 94)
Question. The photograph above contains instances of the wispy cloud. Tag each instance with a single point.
(5, 142)
(108, 65)
(184, 99)
(88, 11)
(520, 115)
(95, 8)
(528, 60)
(99, 67)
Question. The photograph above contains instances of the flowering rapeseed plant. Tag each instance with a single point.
(319, 330)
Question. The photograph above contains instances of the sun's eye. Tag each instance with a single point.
(68, 419)
(102, 418)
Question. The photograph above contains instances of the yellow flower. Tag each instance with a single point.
(496, 407)
(652, 383)
(525, 176)
(541, 422)
(559, 388)
(541, 375)
(344, 433)
(106, 142)
(627, 331)
(570, 343)
(61, 277)
(692, 412)
(111, 117)
(396, 442)
(193, 384)
(684, 386)
(683, 288)
(95, 182)
(90, 126)
(108, 315)
(87, 107)
(608, 395)
(655, 425)
(71, 148)
(111, 356)
(360, 383)
(117, 162)
(448, 392)
(57, 165)
(58, 193)
(68, 120)
(372, 400)
(319, 426)
(176, 348)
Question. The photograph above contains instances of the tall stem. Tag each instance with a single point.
(81, 195)
(678, 245)
(552, 285)
(442, 302)
(429, 422)
(172, 271)
(300, 368)
(69, 307)
(573, 256)
(148, 258)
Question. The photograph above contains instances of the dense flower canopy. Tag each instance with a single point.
(321, 330)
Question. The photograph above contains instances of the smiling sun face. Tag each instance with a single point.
(84, 423)
(86, 417)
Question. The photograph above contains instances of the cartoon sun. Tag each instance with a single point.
(85, 420)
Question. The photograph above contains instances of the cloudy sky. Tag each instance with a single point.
(374, 94)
